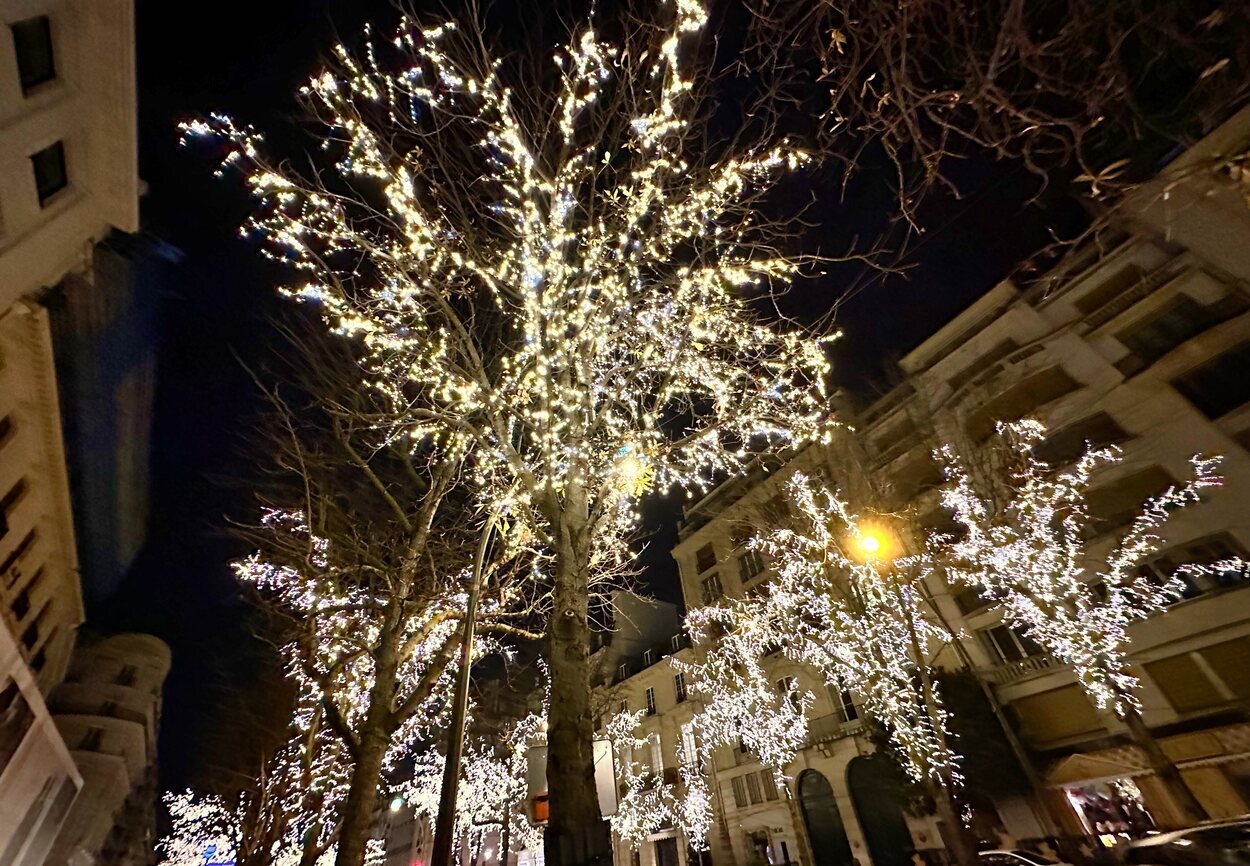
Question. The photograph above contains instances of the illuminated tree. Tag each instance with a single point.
(363, 551)
(647, 802)
(1027, 549)
(841, 603)
(494, 787)
(557, 278)
(288, 815)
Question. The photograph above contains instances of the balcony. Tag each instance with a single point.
(1018, 670)
(830, 728)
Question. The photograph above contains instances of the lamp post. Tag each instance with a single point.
(445, 826)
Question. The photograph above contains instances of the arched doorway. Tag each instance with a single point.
(874, 791)
(823, 820)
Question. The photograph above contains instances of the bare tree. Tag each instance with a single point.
(1093, 89)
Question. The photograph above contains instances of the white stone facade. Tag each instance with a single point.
(1142, 339)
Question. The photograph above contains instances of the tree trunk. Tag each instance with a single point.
(1191, 811)
(359, 810)
(955, 836)
(576, 833)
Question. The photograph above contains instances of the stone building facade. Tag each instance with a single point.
(1140, 338)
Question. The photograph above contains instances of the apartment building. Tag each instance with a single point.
(1141, 338)
(68, 181)
(108, 713)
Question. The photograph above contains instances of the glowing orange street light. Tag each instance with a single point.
(871, 544)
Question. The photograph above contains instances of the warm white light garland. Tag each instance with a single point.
(1029, 553)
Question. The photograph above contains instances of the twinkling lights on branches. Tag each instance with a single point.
(861, 621)
(1028, 550)
(493, 786)
(647, 802)
(537, 290)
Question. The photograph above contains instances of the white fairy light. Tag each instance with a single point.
(1030, 556)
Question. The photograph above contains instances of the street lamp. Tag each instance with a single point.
(871, 544)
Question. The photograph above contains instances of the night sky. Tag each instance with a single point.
(247, 58)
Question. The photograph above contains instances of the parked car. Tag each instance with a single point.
(1016, 857)
(1224, 844)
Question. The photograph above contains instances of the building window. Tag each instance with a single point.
(740, 791)
(623, 707)
(1114, 505)
(32, 43)
(622, 672)
(1023, 398)
(705, 558)
(750, 564)
(15, 720)
(1220, 385)
(91, 740)
(657, 756)
(648, 657)
(21, 605)
(676, 643)
(769, 783)
(1153, 338)
(650, 702)
(30, 636)
(711, 589)
(753, 789)
(1111, 288)
(109, 708)
(983, 363)
(1203, 551)
(50, 174)
(6, 429)
(1068, 444)
(126, 676)
(788, 688)
(10, 568)
(1006, 644)
(10, 501)
(843, 704)
(679, 687)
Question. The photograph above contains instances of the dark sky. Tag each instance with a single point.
(247, 58)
